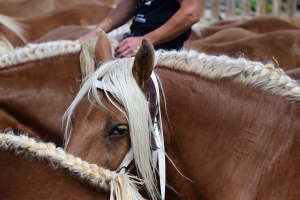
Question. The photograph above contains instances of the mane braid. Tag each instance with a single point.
(121, 186)
(33, 52)
(262, 76)
(118, 33)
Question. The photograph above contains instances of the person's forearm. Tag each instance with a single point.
(183, 19)
(117, 17)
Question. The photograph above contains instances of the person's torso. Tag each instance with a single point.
(151, 14)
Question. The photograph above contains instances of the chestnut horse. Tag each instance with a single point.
(37, 84)
(30, 8)
(283, 45)
(231, 126)
(261, 24)
(35, 27)
(35, 170)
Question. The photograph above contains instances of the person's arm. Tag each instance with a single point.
(116, 18)
(182, 20)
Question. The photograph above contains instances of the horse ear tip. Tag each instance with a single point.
(100, 31)
(145, 41)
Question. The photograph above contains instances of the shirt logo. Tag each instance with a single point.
(140, 18)
(147, 2)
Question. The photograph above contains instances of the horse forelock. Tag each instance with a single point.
(118, 80)
(255, 74)
(32, 52)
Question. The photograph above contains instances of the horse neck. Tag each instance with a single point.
(217, 131)
(35, 94)
(21, 176)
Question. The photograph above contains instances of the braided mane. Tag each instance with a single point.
(40, 51)
(256, 74)
(121, 186)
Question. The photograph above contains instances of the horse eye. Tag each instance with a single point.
(119, 130)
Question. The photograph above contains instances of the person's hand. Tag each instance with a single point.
(128, 47)
(86, 37)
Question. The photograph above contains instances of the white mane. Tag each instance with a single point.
(33, 52)
(122, 186)
(5, 45)
(117, 78)
(118, 33)
(263, 76)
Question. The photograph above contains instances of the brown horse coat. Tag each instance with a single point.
(24, 177)
(225, 35)
(38, 26)
(284, 46)
(263, 24)
(28, 8)
(69, 32)
(35, 94)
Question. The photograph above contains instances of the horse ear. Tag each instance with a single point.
(103, 48)
(143, 63)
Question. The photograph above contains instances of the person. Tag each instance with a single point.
(165, 23)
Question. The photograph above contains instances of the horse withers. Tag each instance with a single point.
(231, 126)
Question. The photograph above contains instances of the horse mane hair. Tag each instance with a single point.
(118, 33)
(87, 57)
(32, 52)
(120, 186)
(117, 78)
(5, 45)
(256, 74)
(14, 26)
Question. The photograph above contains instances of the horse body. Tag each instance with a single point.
(226, 35)
(28, 8)
(29, 179)
(31, 169)
(35, 93)
(281, 45)
(38, 26)
(70, 32)
(233, 142)
(263, 24)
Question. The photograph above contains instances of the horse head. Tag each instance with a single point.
(102, 125)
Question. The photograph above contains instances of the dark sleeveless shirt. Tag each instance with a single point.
(151, 14)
